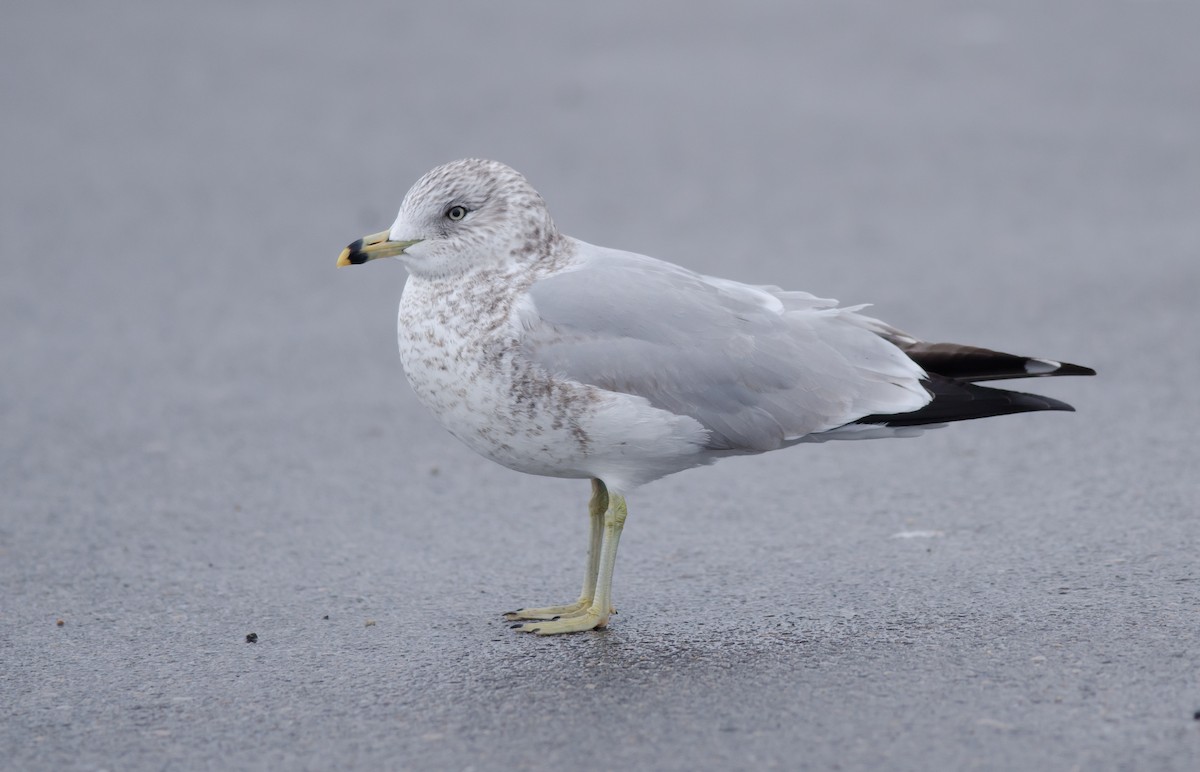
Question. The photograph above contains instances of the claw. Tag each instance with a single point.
(549, 612)
(577, 623)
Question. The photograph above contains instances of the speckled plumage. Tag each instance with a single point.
(460, 333)
(556, 357)
(498, 305)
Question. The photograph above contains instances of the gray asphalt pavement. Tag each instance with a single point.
(205, 431)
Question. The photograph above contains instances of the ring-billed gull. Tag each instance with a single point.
(556, 357)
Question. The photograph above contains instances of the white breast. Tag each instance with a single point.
(467, 370)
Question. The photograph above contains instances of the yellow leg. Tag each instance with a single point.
(596, 614)
(597, 506)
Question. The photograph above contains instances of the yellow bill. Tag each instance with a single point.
(372, 247)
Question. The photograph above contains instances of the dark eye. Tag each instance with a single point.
(456, 213)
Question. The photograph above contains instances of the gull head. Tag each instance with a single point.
(463, 216)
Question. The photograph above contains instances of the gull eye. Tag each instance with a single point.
(456, 213)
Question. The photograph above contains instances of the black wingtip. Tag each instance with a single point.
(1066, 368)
(1049, 404)
(957, 401)
(972, 364)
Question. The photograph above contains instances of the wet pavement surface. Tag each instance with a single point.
(206, 433)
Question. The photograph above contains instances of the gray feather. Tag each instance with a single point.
(757, 366)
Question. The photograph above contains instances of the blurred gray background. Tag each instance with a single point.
(205, 430)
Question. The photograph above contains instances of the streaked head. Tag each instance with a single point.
(459, 216)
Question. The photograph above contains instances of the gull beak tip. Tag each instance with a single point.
(372, 247)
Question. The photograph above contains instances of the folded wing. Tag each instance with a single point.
(757, 366)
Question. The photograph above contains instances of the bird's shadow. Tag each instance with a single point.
(767, 649)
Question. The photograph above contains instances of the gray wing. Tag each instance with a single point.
(757, 366)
